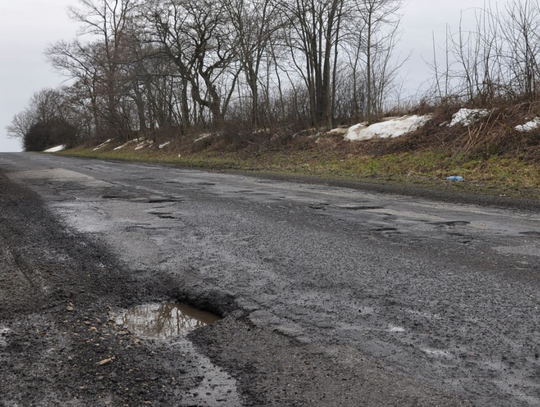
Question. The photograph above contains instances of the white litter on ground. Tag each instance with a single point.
(529, 126)
(55, 149)
(466, 117)
(102, 144)
(390, 128)
(164, 145)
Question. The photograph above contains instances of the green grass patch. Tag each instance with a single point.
(496, 175)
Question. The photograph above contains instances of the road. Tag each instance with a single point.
(332, 296)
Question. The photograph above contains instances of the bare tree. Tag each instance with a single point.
(100, 64)
(197, 38)
(254, 23)
(521, 31)
(380, 24)
(314, 33)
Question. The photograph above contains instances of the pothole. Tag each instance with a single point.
(359, 207)
(164, 320)
(164, 200)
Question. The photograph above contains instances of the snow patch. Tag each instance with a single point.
(127, 144)
(203, 136)
(102, 144)
(529, 126)
(466, 117)
(390, 128)
(337, 131)
(55, 149)
(143, 143)
(164, 145)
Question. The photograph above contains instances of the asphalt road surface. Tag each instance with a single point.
(331, 296)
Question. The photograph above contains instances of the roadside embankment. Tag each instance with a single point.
(493, 153)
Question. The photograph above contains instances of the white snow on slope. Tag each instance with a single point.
(390, 128)
(102, 144)
(164, 145)
(55, 149)
(466, 117)
(144, 143)
(529, 126)
(203, 136)
(338, 131)
(126, 144)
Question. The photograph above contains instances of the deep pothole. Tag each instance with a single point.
(164, 320)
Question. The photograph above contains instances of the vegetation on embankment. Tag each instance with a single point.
(491, 155)
(509, 176)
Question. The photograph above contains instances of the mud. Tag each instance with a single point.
(59, 342)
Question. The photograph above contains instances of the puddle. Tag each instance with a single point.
(164, 320)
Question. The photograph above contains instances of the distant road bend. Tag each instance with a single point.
(331, 296)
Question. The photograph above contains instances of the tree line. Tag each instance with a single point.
(172, 67)
(495, 62)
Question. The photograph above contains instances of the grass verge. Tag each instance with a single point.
(498, 176)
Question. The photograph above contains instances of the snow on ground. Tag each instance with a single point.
(55, 149)
(126, 144)
(337, 132)
(143, 143)
(466, 117)
(203, 136)
(390, 128)
(529, 126)
(164, 145)
(102, 144)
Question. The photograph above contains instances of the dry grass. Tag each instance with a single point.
(491, 155)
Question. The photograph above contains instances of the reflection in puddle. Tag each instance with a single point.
(164, 320)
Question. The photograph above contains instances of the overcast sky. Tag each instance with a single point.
(27, 27)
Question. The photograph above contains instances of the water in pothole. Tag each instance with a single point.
(164, 320)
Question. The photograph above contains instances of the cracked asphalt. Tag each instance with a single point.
(331, 296)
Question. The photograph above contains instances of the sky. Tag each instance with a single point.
(28, 27)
